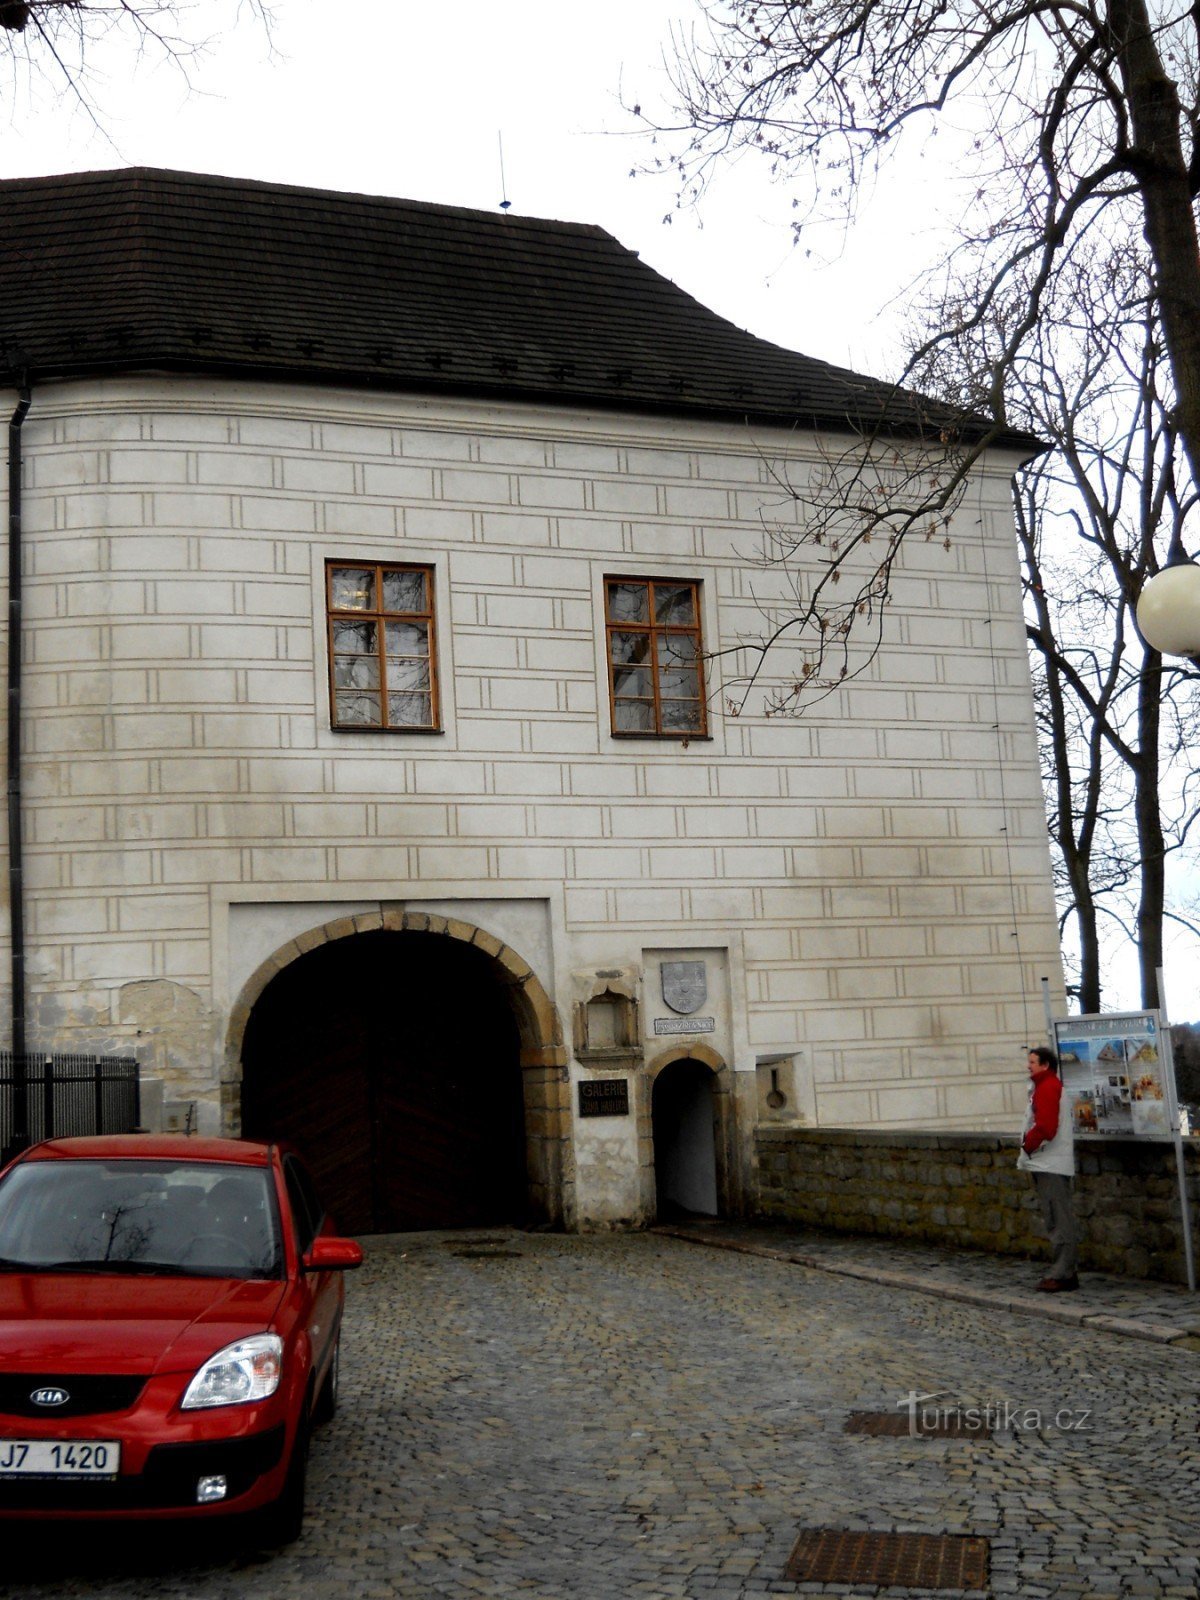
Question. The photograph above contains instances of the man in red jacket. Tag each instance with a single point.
(1048, 1155)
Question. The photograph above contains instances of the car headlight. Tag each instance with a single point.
(247, 1370)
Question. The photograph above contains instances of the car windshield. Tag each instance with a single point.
(182, 1218)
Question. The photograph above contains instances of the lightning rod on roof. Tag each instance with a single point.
(505, 202)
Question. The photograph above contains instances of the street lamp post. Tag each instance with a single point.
(1168, 615)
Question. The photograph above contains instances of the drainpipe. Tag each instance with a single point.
(16, 887)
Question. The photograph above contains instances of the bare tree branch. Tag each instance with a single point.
(57, 41)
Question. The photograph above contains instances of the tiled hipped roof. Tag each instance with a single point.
(145, 270)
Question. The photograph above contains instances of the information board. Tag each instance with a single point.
(1119, 1075)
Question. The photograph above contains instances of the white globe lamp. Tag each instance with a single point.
(1168, 610)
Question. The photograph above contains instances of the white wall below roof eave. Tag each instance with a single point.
(177, 529)
(298, 399)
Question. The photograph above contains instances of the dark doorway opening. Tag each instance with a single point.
(392, 1060)
(683, 1113)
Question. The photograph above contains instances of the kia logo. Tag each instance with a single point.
(49, 1397)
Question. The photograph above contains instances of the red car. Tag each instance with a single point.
(170, 1311)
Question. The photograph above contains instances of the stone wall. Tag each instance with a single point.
(962, 1189)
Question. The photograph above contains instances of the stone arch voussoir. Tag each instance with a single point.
(686, 1051)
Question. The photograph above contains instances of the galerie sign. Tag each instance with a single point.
(604, 1097)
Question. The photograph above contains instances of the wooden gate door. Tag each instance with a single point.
(449, 1141)
(392, 1062)
(314, 1091)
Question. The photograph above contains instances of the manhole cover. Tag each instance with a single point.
(908, 1560)
(488, 1255)
(923, 1425)
(471, 1244)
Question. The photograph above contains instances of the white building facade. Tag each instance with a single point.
(369, 797)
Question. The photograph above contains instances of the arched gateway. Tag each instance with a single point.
(689, 1132)
(685, 1141)
(418, 1062)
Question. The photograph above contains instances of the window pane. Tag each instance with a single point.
(408, 673)
(406, 638)
(356, 672)
(381, 661)
(634, 681)
(404, 591)
(629, 602)
(352, 588)
(681, 716)
(305, 1227)
(633, 716)
(629, 647)
(409, 711)
(182, 1215)
(354, 638)
(673, 604)
(357, 710)
(679, 685)
(656, 656)
(676, 649)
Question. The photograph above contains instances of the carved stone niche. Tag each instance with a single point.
(607, 1029)
(778, 1090)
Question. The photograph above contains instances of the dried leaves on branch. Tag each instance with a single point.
(1069, 121)
(832, 543)
(1068, 305)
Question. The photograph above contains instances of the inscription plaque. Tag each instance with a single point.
(685, 1024)
(604, 1097)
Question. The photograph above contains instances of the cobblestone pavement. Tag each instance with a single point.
(619, 1416)
(1163, 1312)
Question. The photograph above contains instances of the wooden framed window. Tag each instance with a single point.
(382, 658)
(655, 657)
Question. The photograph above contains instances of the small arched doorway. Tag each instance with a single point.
(392, 1059)
(684, 1121)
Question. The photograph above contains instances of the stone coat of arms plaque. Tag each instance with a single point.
(684, 985)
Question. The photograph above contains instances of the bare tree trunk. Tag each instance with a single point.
(1055, 292)
(1162, 175)
(1148, 819)
(1073, 834)
(1088, 933)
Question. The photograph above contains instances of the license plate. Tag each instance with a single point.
(59, 1458)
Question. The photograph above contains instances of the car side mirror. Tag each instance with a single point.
(332, 1255)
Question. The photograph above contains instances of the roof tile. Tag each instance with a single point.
(145, 269)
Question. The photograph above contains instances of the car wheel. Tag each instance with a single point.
(326, 1402)
(281, 1523)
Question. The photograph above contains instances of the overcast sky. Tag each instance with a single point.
(410, 100)
(397, 98)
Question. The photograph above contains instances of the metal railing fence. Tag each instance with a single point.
(66, 1095)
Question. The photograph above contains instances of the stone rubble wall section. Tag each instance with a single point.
(960, 1189)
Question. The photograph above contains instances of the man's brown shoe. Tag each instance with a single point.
(1058, 1285)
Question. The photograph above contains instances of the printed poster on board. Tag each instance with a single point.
(1118, 1074)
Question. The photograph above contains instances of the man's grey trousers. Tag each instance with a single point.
(1058, 1212)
